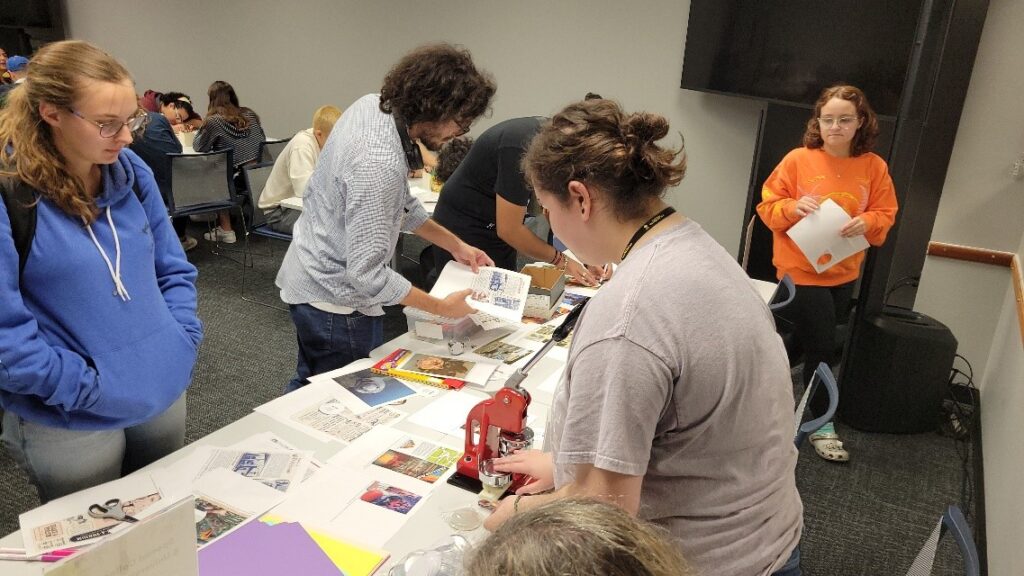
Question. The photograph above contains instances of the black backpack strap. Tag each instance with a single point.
(20, 200)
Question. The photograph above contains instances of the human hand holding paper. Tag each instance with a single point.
(819, 235)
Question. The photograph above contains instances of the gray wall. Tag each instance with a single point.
(982, 204)
(287, 58)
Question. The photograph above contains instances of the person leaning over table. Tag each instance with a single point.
(835, 163)
(676, 403)
(292, 169)
(98, 334)
(335, 276)
(485, 199)
(177, 109)
(228, 125)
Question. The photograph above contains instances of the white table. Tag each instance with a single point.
(424, 528)
(420, 188)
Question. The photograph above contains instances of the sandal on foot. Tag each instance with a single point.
(829, 447)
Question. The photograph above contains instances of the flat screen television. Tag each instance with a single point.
(787, 51)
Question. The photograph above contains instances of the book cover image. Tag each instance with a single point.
(411, 466)
(439, 366)
(390, 498)
(374, 389)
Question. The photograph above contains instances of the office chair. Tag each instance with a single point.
(822, 374)
(270, 149)
(256, 179)
(202, 184)
(951, 521)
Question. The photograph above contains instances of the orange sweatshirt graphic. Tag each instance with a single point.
(861, 185)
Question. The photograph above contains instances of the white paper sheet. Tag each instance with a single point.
(817, 235)
(448, 413)
(497, 292)
(389, 453)
(279, 469)
(225, 501)
(65, 522)
(270, 441)
(315, 409)
(163, 545)
(349, 504)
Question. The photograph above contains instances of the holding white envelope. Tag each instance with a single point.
(818, 237)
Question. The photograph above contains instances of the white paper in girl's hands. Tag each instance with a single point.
(817, 236)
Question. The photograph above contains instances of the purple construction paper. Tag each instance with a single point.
(256, 549)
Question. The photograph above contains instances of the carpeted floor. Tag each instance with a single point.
(867, 517)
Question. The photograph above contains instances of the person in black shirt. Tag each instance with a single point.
(484, 203)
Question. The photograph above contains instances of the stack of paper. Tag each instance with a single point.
(258, 549)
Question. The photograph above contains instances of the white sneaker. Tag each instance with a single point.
(189, 243)
(218, 234)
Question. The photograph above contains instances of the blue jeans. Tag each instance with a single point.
(59, 461)
(329, 341)
(792, 566)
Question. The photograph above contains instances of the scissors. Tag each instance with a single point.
(110, 509)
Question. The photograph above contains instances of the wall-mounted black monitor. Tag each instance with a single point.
(786, 51)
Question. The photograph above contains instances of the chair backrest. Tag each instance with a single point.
(201, 182)
(952, 521)
(784, 293)
(822, 376)
(256, 176)
(270, 149)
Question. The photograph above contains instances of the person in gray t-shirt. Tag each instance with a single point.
(677, 403)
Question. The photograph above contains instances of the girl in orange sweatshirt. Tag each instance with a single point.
(834, 163)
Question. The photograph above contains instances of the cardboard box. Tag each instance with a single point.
(547, 286)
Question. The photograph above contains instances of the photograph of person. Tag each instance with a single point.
(439, 366)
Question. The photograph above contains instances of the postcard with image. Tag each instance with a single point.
(216, 520)
(545, 332)
(502, 351)
(438, 366)
(390, 498)
(411, 466)
(374, 389)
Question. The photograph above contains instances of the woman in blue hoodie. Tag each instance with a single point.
(98, 330)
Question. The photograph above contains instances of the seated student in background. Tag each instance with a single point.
(177, 109)
(484, 203)
(677, 402)
(293, 168)
(153, 146)
(228, 125)
(577, 536)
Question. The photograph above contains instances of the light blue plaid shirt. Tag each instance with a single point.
(356, 204)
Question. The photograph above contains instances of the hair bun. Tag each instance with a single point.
(645, 128)
(640, 131)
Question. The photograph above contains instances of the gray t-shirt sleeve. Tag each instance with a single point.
(617, 393)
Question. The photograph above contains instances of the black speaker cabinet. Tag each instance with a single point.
(896, 373)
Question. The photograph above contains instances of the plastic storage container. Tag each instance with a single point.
(439, 329)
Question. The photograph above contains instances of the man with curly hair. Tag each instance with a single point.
(335, 277)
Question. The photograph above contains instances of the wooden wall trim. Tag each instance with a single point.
(970, 253)
(985, 256)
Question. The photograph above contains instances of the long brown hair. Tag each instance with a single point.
(577, 536)
(864, 139)
(224, 103)
(434, 83)
(55, 75)
(597, 143)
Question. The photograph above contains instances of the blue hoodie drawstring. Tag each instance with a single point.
(114, 269)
